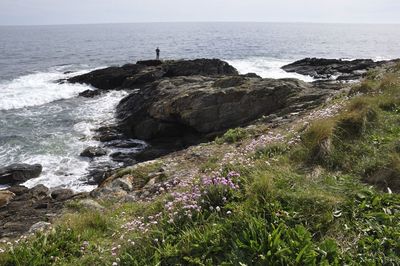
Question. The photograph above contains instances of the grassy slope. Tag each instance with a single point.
(292, 196)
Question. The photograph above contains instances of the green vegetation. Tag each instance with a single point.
(306, 204)
(232, 136)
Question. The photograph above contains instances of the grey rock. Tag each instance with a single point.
(191, 106)
(136, 75)
(19, 173)
(90, 204)
(122, 183)
(92, 152)
(327, 68)
(62, 194)
(39, 227)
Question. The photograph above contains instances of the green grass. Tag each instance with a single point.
(307, 205)
(232, 136)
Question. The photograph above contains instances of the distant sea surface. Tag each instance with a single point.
(44, 122)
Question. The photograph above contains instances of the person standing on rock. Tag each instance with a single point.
(158, 53)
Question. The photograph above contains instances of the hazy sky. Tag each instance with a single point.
(16, 12)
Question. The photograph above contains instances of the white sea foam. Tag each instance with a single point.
(37, 89)
(266, 68)
(67, 170)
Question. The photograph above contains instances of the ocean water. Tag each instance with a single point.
(44, 122)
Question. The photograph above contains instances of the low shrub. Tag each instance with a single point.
(317, 140)
(361, 115)
(366, 86)
(271, 151)
(232, 136)
(390, 82)
(261, 188)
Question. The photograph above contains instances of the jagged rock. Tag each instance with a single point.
(108, 78)
(27, 207)
(39, 191)
(19, 173)
(124, 157)
(62, 194)
(108, 133)
(90, 93)
(327, 68)
(92, 152)
(126, 143)
(18, 190)
(131, 76)
(124, 183)
(184, 106)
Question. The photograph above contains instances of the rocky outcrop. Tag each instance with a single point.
(21, 208)
(197, 105)
(332, 68)
(174, 104)
(92, 152)
(19, 173)
(132, 76)
(179, 103)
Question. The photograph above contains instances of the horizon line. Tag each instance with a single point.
(177, 22)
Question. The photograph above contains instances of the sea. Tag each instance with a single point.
(43, 121)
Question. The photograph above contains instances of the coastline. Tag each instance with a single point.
(146, 76)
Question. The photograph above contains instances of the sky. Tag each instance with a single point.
(45, 12)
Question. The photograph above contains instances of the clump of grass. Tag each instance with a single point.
(366, 86)
(45, 248)
(261, 187)
(271, 151)
(317, 140)
(88, 222)
(386, 176)
(361, 114)
(390, 82)
(210, 165)
(232, 136)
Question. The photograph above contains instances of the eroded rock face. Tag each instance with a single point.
(198, 105)
(19, 173)
(328, 68)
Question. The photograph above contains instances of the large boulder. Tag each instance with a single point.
(131, 76)
(181, 106)
(332, 68)
(19, 173)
